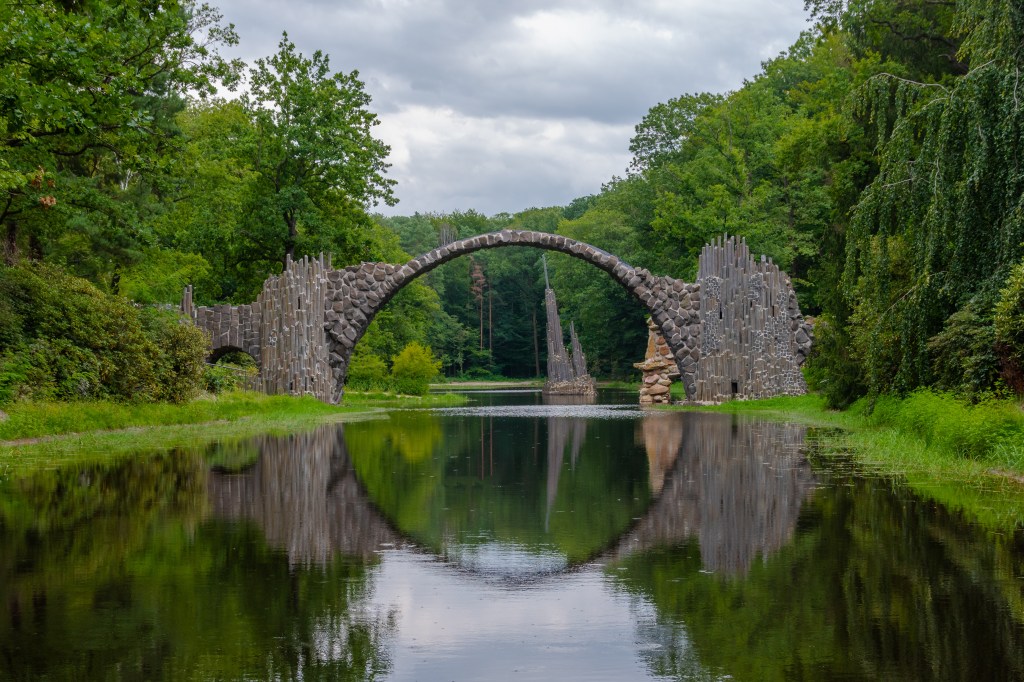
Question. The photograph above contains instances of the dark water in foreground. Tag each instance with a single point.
(507, 540)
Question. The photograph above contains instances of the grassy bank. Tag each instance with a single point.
(47, 434)
(967, 457)
(30, 420)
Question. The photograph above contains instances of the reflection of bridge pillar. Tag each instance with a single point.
(302, 492)
(661, 435)
(752, 482)
(559, 430)
(737, 487)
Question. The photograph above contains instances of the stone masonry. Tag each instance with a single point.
(311, 355)
(659, 369)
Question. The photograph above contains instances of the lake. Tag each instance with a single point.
(518, 538)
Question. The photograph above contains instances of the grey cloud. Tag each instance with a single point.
(462, 55)
(504, 73)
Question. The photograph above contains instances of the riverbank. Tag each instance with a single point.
(42, 434)
(967, 457)
(487, 385)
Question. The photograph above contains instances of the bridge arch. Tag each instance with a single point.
(354, 295)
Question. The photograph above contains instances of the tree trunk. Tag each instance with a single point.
(11, 243)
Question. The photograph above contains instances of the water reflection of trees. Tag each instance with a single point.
(113, 570)
(876, 585)
(504, 480)
(737, 487)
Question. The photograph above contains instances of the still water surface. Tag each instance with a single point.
(510, 539)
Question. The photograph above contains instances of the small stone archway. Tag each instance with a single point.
(217, 354)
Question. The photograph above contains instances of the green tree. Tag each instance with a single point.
(940, 226)
(595, 302)
(214, 177)
(663, 133)
(1009, 329)
(319, 166)
(88, 91)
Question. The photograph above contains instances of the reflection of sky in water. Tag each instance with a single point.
(506, 561)
(578, 411)
(572, 626)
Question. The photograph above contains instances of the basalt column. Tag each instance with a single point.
(753, 338)
(567, 373)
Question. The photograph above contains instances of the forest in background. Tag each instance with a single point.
(877, 161)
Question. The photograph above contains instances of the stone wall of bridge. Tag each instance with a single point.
(307, 321)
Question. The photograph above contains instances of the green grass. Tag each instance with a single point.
(373, 399)
(51, 434)
(966, 457)
(503, 382)
(35, 420)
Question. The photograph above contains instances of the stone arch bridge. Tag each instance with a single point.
(305, 323)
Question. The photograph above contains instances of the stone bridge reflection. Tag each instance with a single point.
(735, 485)
(303, 493)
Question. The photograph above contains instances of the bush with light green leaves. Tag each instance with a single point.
(1009, 327)
(413, 369)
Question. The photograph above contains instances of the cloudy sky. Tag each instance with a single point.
(505, 105)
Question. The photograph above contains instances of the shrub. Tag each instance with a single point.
(235, 370)
(66, 340)
(180, 364)
(413, 369)
(224, 377)
(832, 367)
(366, 371)
(963, 353)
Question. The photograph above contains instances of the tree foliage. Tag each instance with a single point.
(63, 339)
(413, 369)
(938, 229)
(877, 160)
(317, 163)
(88, 93)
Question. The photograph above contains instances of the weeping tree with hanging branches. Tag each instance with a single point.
(935, 235)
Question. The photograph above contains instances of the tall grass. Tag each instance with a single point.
(989, 430)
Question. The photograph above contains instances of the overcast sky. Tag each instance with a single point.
(502, 106)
